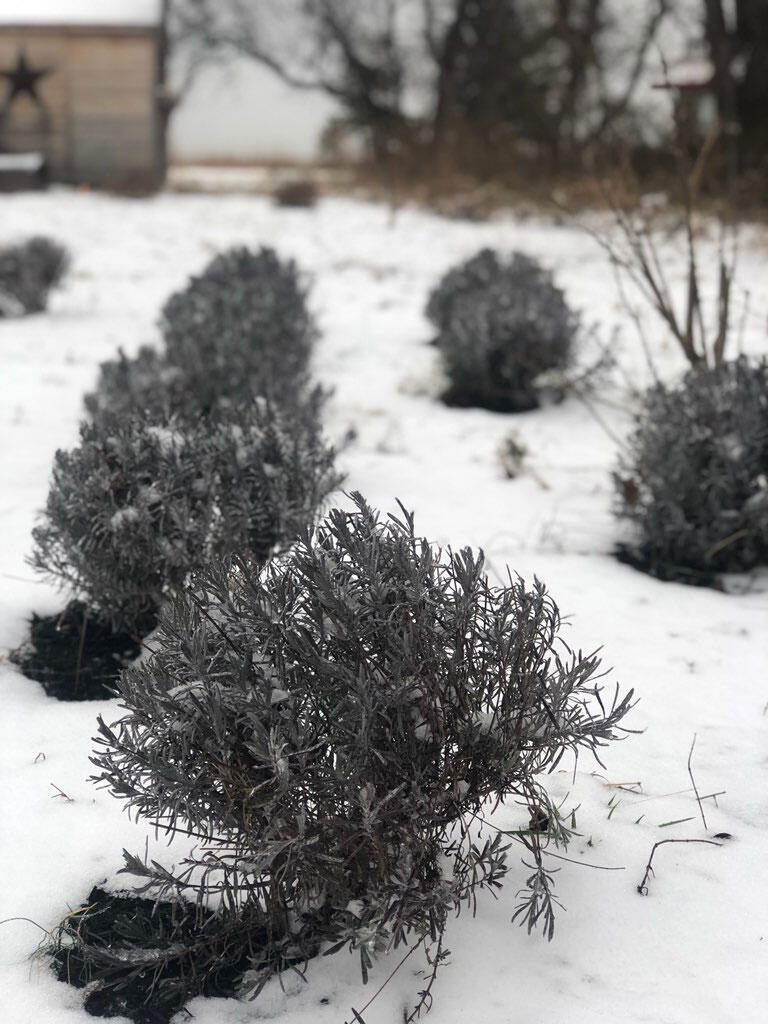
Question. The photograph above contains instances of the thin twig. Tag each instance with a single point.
(620, 441)
(190, 593)
(61, 793)
(81, 648)
(721, 545)
(8, 920)
(558, 856)
(643, 886)
(386, 981)
(693, 782)
(425, 996)
(583, 863)
(677, 792)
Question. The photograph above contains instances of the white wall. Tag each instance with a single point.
(242, 111)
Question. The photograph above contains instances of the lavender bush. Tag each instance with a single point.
(334, 730)
(501, 325)
(137, 505)
(694, 479)
(28, 272)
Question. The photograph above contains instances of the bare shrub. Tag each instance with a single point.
(334, 728)
(145, 384)
(238, 331)
(694, 478)
(242, 325)
(28, 272)
(501, 325)
(138, 505)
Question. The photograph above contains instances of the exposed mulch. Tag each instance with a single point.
(521, 401)
(639, 558)
(144, 959)
(76, 655)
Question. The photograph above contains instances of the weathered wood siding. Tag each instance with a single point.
(99, 123)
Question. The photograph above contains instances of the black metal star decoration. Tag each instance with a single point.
(23, 79)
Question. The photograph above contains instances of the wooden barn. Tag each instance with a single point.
(82, 91)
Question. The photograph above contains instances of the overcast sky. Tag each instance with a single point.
(243, 111)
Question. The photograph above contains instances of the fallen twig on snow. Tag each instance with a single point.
(643, 886)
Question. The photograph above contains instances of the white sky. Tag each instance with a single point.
(243, 111)
(79, 12)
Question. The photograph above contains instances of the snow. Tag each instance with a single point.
(687, 74)
(690, 952)
(27, 162)
(81, 12)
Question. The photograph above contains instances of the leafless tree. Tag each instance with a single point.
(738, 48)
(699, 316)
(447, 80)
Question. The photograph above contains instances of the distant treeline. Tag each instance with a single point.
(477, 86)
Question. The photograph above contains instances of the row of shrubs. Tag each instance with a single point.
(329, 708)
(28, 272)
(210, 446)
(693, 476)
(692, 479)
(326, 721)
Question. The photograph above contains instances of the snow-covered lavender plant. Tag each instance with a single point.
(476, 274)
(143, 384)
(335, 729)
(148, 385)
(242, 327)
(240, 330)
(501, 325)
(28, 272)
(137, 505)
(694, 478)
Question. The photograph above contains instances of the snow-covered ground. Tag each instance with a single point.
(695, 949)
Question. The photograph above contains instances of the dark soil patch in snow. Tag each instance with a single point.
(144, 959)
(639, 558)
(75, 655)
(523, 401)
